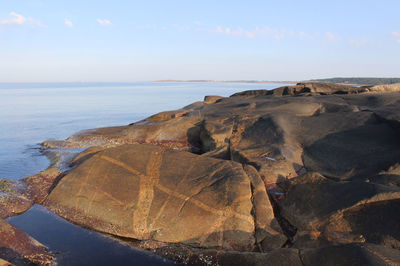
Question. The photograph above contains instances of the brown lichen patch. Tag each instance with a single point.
(5, 185)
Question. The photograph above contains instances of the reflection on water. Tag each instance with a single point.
(73, 245)
(32, 113)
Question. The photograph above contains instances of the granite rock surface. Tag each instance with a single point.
(305, 174)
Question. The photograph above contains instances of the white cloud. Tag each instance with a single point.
(104, 22)
(68, 22)
(281, 34)
(396, 35)
(359, 43)
(265, 32)
(147, 27)
(181, 28)
(228, 31)
(250, 35)
(330, 36)
(304, 36)
(18, 19)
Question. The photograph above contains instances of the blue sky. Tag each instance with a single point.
(122, 41)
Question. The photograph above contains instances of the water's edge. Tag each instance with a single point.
(33, 114)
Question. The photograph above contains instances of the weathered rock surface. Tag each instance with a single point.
(314, 167)
(280, 256)
(342, 254)
(148, 192)
(17, 197)
(341, 212)
(280, 136)
(18, 248)
(350, 254)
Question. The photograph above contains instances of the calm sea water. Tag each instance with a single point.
(32, 113)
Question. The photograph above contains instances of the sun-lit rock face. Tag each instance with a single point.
(147, 192)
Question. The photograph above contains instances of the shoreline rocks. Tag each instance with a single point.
(18, 248)
(16, 197)
(308, 172)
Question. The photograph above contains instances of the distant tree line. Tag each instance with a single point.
(361, 81)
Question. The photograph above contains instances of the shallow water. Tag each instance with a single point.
(32, 113)
(74, 245)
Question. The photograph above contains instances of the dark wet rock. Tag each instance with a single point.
(342, 254)
(350, 254)
(18, 196)
(391, 177)
(289, 257)
(147, 192)
(10, 257)
(194, 256)
(18, 248)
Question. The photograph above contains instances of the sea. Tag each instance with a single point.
(33, 112)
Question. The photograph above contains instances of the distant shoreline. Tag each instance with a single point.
(230, 81)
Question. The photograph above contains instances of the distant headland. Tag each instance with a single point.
(228, 81)
(338, 80)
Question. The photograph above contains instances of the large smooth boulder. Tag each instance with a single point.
(148, 192)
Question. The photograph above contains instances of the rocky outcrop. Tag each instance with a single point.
(323, 210)
(17, 197)
(350, 254)
(147, 192)
(18, 248)
(384, 88)
(359, 254)
(311, 170)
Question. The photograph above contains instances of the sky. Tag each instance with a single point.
(126, 41)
